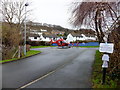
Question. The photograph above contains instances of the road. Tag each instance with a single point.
(53, 68)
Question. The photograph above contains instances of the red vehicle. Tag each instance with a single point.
(61, 43)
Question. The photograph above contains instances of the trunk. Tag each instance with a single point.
(100, 27)
(96, 26)
(19, 51)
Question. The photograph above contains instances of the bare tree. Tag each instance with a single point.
(13, 13)
(100, 15)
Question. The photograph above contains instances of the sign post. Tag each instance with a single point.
(104, 66)
(106, 48)
(104, 75)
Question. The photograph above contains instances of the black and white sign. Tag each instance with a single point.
(105, 64)
(105, 57)
(106, 47)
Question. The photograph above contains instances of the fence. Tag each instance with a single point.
(81, 44)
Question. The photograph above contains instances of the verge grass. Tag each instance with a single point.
(29, 53)
(40, 46)
(97, 74)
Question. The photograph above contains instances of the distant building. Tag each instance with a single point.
(34, 37)
(71, 38)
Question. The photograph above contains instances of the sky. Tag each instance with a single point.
(56, 12)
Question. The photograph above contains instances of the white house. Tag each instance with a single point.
(71, 38)
(37, 37)
(34, 37)
(35, 32)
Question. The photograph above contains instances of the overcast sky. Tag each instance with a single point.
(55, 12)
(51, 11)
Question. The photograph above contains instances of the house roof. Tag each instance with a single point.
(50, 35)
(34, 35)
(76, 35)
(80, 35)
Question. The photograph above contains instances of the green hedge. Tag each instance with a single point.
(38, 43)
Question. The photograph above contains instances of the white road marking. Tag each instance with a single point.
(44, 76)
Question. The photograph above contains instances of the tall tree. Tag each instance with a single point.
(99, 15)
(13, 13)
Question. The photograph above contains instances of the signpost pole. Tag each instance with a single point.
(106, 48)
(105, 63)
(104, 75)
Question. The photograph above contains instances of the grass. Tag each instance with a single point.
(29, 53)
(97, 74)
(41, 46)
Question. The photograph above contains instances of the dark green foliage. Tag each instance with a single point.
(38, 43)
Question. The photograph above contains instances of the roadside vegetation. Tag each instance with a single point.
(97, 74)
(29, 53)
(40, 46)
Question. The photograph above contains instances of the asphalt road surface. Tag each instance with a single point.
(53, 68)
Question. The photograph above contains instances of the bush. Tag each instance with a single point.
(38, 43)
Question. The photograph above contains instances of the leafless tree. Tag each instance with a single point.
(13, 13)
(99, 15)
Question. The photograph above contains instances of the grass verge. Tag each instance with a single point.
(97, 74)
(29, 53)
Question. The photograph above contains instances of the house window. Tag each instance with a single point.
(35, 37)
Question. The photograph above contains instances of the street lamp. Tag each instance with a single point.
(26, 4)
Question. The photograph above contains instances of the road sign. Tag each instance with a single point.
(106, 47)
(105, 57)
(105, 64)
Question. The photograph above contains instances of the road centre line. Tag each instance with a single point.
(42, 77)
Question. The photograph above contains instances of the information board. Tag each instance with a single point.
(106, 47)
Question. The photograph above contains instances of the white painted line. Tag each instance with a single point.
(44, 76)
(36, 80)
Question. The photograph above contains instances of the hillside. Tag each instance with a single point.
(56, 29)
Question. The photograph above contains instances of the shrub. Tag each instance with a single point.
(38, 43)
